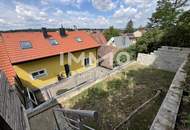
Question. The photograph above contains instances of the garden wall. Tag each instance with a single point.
(165, 58)
(167, 114)
(169, 59)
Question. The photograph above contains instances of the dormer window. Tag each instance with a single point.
(78, 39)
(25, 44)
(53, 42)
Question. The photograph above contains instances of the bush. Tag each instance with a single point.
(132, 52)
(150, 41)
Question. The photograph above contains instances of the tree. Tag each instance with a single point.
(111, 32)
(150, 41)
(179, 3)
(179, 35)
(129, 28)
(165, 15)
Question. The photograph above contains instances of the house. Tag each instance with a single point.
(137, 34)
(34, 57)
(120, 42)
(105, 52)
(131, 37)
(106, 55)
(99, 37)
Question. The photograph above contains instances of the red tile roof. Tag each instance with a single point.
(5, 64)
(99, 37)
(11, 52)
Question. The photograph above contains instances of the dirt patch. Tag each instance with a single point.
(116, 97)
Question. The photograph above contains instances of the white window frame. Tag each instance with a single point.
(40, 75)
(25, 42)
(51, 42)
(78, 39)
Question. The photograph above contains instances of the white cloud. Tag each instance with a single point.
(134, 1)
(72, 1)
(104, 5)
(72, 13)
(44, 2)
(27, 12)
(20, 15)
(122, 12)
(2, 21)
(58, 12)
(102, 21)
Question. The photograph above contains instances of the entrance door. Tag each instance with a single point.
(67, 70)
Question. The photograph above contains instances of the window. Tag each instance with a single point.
(78, 39)
(86, 62)
(53, 42)
(25, 44)
(39, 73)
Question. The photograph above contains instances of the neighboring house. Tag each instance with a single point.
(34, 57)
(131, 37)
(134, 36)
(105, 52)
(120, 42)
(99, 37)
(138, 34)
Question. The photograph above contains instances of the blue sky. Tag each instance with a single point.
(21, 14)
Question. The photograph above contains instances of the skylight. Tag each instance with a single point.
(78, 39)
(25, 44)
(53, 42)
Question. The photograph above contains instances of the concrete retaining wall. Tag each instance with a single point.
(167, 114)
(170, 59)
(165, 58)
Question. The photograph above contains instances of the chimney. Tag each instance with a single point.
(75, 28)
(45, 33)
(62, 31)
(1, 37)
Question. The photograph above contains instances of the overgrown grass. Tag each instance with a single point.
(119, 95)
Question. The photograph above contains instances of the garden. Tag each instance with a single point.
(117, 96)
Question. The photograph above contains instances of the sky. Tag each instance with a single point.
(23, 14)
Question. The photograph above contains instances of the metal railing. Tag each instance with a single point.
(75, 123)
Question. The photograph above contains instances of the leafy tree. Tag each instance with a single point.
(179, 35)
(169, 25)
(165, 15)
(179, 3)
(129, 28)
(150, 41)
(111, 32)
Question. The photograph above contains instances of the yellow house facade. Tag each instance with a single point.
(37, 60)
(50, 67)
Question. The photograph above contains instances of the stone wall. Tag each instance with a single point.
(165, 58)
(167, 114)
(170, 59)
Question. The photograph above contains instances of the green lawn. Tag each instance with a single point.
(119, 95)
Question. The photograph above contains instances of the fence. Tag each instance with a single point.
(71, 119)
(77, 81)
(11, 110)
